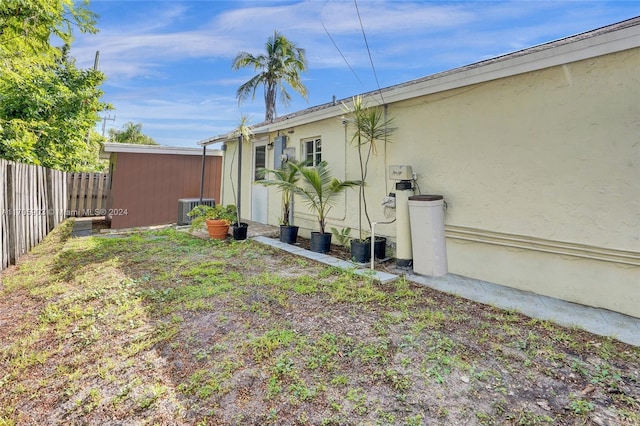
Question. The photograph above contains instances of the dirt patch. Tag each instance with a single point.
(163, 328)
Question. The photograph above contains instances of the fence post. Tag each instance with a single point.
(51, 204)
(4, 219)
(11, 217)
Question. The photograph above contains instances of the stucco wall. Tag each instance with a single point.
(553, 155)
(331, 131)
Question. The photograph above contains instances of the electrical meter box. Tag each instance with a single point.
(400, 173)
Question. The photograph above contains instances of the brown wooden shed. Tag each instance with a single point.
(148, 180)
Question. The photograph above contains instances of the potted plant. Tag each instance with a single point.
(243, 133)
(285, 179)
(370, 125)
(319, 190)
(217, 218)
(239, 230)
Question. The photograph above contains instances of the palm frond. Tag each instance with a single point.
(249, 88)
(320, 190)
(282, 62)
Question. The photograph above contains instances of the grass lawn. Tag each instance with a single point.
(164, 328)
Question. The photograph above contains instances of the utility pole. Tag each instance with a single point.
(104, 122)
(96, 62)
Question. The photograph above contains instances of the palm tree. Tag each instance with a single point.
(320, 190)
(282, 63)
(131, 133)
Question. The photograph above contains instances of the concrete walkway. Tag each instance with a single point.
(597, 321)
(383, 277)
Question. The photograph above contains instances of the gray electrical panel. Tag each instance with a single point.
(279, 144)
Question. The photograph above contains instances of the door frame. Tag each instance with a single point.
(259, 193)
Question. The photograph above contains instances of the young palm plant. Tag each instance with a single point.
(320, 192)
(243, 133)
(370, 126)
(285, 179)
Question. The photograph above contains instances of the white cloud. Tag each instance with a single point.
(168, 63)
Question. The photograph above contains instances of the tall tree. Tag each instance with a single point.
(281, 63)
(131, 133)
(27, 27)
(47, 105)
(47, 115)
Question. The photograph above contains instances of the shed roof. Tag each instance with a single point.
(605, 40)
(109, 147)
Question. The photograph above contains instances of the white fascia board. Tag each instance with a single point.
(310, 117)
(155, 149)
(592, 47)
(215, 139)
(501, 67)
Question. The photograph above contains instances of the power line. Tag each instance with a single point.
(339, 51)
(368, 50)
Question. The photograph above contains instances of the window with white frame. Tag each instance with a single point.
(259, 161)
(313, 150)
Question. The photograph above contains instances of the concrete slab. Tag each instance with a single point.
(380, 276)
(82, 227)
(594, 320)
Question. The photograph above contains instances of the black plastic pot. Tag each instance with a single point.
(240, 231)
(361, 250)
(289, 234)
(380, 248)
(320, 243)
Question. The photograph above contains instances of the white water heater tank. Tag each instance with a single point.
(428, 242)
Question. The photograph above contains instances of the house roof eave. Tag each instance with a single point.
(231, 137)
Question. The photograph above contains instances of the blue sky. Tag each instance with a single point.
(168, 63)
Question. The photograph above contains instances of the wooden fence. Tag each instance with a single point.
(88, 194)
(33, 201)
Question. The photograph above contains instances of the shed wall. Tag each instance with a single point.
(146, 187)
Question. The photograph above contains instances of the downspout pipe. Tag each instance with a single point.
(240, 138)
(224, 160)
(204, 157)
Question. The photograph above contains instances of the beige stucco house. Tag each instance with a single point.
(537, 154)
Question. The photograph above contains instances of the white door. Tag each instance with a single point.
(259, 192)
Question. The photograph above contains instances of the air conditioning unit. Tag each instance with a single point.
(185, 205)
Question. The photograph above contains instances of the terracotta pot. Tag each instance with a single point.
(218, 229)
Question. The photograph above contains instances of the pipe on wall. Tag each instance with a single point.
(239, 197)
(204, 159)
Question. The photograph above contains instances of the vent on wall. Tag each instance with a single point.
(185, 205)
